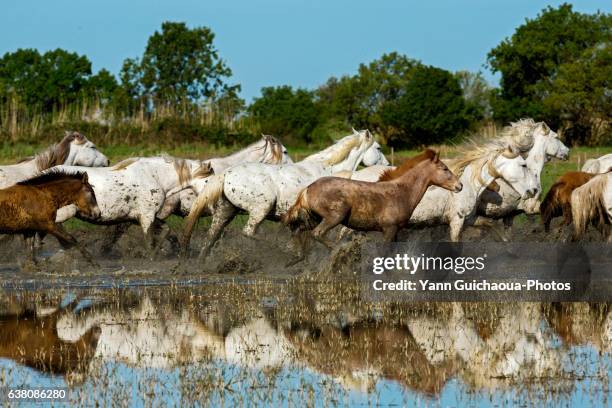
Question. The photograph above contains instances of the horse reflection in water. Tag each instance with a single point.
(32, 340)
(421, 352)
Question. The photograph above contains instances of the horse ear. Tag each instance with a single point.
(354, 131)
(436, 157)
(85, 178)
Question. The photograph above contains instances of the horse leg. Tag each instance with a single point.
(148, 229)
(256, 217)
(29, 239)
(390, 233)
(566, 209)
(68, 241)
(169, 207)
(344, 231)
(38, 239)
(161, 231)
(508, 221)
(324, 226)
(224, 213)
(456, 225)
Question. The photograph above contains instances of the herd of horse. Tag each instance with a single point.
(490, 180)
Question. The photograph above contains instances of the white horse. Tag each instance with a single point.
(599, 165)
(592, 204)
(520, 347)
(136, 190)
(266, 191)
(506, 203)
(267, 150)
(74, 149)
(478, 167)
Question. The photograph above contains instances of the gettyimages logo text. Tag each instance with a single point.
(412, 264)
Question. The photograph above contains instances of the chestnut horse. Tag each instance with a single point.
(558, 199)
(383, 206)
(31, 206)
(32, 340)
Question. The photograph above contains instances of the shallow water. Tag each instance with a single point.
(314, 343)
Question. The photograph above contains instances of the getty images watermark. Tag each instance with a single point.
(488, 271)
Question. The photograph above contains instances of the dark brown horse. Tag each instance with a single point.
(558, 199)
(32, 340)
(383, 206)
(31, 206)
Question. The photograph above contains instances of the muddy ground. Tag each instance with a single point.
(235, 256)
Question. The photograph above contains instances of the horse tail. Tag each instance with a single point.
(588, 206)
(209, 196)
(299, 212)
(550, 206)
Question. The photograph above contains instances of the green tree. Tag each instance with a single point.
(477, 92)
(282, 111)
(431, 109)
(530, 60)
(49, 80)
(102, 86)
(178, 64)
(580, 95)
(357, 99)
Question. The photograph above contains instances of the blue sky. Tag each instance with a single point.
(276, 42)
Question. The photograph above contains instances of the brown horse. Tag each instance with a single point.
(32, 340)
(31, 206)
(558, 199)
(383, 206)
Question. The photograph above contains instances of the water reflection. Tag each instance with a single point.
(219, 344)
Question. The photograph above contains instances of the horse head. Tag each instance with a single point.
(510, 165)
(440, 175)
(86, 200)
(374, 156)
(83, 152)
(553, 146)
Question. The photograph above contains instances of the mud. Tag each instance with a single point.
(271, 254)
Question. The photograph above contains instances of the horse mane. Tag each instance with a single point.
(180, 165)
(520, 132)
(203, 171)
(51, 176)
(390, 174)
(123, 164)
(337, 152)
(274, 145)
(57, 154)
(477, 154)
